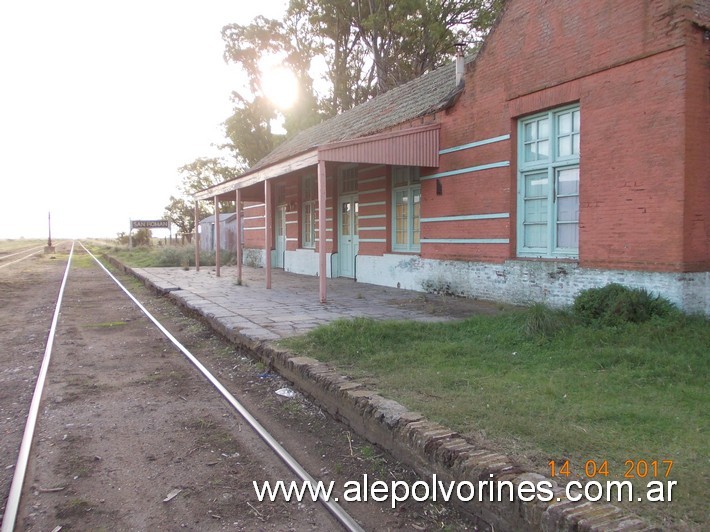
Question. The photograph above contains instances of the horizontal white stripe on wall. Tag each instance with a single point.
(373, 203)
(253, 217)
(474, 144)
(292, 222)
(465, 217)
(499, 164)
(371, 180)
(373, 191)
(254, 228)
(372, 216)
(465, 241)
(259, 206)
(372, 228)
(292, 240)
(382, 240)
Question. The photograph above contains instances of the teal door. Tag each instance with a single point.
(347, 235)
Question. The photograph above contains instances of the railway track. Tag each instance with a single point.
(130, 437)
(24, 467)
(5, 260)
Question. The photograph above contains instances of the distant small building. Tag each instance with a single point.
(228, 227)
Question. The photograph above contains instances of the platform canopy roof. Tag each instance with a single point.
(363, 134)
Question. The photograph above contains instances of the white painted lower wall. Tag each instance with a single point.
(525, 282)
(253, 257)
(302, 261)
(514, 281)
(305, 262)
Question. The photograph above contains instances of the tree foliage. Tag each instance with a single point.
(366, 46)
(195, 176)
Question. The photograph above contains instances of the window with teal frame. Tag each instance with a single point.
(309, 202)
(548, 184)
(406, 203)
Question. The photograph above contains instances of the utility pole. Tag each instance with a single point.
(49, 248)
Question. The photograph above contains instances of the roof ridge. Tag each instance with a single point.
(423, 95)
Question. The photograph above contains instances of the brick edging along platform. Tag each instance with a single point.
(429, 448)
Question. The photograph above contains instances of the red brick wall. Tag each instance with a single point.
(642, 205)
(371, 181)
(697, 154)
(253, 220)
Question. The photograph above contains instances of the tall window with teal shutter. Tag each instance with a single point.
(548, 184)
(309, 202)
(406, 202)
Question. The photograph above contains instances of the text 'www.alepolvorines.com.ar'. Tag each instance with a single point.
(464, 491)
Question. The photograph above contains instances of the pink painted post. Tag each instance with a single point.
(267, 231)
(321, 230)
(239, 237)
(218, 241)
(197, 237)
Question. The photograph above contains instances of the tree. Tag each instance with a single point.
(368, 47)
(182, 214)
(197, 175)
(204, 172)
(142, 237)
(249, 127)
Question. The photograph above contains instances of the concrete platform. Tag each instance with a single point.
(291, 306)
(253, 317)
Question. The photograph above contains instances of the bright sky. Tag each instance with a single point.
(102, 101)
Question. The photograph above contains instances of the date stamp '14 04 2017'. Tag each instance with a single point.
(649, 471)
(632, 468)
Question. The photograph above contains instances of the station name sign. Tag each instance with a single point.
(150, 224)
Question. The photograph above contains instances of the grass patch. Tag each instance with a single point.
(162, 256)
(173, 378)
(209, 434)
(75, 507)
(545, 384)
(82, 260)
(81, 387)
(106, 324)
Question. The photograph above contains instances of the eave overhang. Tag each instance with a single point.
(417, 146)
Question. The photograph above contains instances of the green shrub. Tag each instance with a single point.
(615, 304)
(173, 256)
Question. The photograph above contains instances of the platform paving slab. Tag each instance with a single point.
(291, 306)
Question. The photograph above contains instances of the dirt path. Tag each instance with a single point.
(126, 421)
(27, 293)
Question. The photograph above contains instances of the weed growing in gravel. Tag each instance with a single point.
(73, 508)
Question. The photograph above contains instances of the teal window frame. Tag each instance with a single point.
(548, 184)
(309, 199)
(406, 184)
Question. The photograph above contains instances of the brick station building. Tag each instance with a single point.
(572, 151)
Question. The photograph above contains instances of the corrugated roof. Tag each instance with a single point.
(426, 94)
(223, 217)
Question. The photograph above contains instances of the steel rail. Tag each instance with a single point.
(20, 259)
(3, 257)
(18, 478)
(334, 508)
